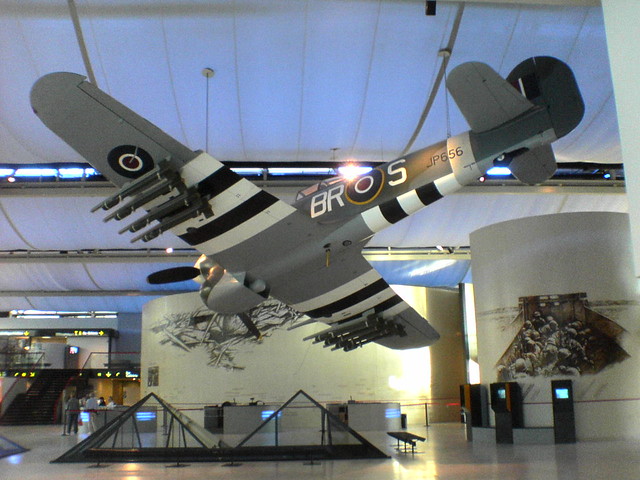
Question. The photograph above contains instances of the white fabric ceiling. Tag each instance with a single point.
(293, 79)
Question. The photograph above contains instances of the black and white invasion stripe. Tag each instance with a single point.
(392, 211)
(241, 209)
(366, 293)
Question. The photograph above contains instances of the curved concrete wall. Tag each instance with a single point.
(556, 297)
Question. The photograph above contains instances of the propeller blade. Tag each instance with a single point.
(170, 275)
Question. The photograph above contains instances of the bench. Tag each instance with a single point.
(407, 438)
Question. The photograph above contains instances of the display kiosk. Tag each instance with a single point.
(564, 424)
(475, 407)
(506, 403)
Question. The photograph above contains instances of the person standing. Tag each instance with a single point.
(72, 409)
(92, 408)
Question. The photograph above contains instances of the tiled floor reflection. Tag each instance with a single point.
(445, 455)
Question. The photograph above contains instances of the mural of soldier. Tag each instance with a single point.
(560, 335)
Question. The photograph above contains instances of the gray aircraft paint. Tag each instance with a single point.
(309, 254)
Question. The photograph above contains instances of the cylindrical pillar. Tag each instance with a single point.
(447, 354)
(556, 297)
(623, 40)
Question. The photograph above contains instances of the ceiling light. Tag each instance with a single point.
(169, 250)
(499, 171)
(36, 172)
(352, 171)
(247, 171)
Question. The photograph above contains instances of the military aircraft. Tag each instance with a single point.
(308, 255)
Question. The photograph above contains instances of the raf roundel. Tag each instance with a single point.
(366, 187)
(130, 161)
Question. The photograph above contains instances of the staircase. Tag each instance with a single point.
(38, 405)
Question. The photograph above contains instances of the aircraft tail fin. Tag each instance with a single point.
(536, 85)
(550, 83)
(485, 99)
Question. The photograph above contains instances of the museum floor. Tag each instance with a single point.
(445, 455)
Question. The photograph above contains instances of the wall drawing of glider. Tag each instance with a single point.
(308, 255)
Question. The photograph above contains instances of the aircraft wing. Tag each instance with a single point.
(351, 296)
(268, 246)
(100, 128)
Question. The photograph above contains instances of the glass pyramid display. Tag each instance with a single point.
(8, 448)
(304, 428)
(154, 431)
(149, 430)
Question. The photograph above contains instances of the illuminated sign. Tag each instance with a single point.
(17, 374)
(145, 416)
(267, 413)
(15, 333)
(392, 413)
(116, 374)
(101, 332)
(83, 333)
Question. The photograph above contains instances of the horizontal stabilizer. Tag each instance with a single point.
(534, 166)
(485, 99)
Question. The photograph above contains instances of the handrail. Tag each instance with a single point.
(6, 395)
(10, 363)
(30, 367)
(134, 359)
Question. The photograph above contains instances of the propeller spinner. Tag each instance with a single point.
(215, 273)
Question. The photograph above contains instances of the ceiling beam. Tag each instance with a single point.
(90, 293)
(288, 188)
(190, 256)
(97, 256)
(574, 3)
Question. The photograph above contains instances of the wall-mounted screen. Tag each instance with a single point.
(562, 393)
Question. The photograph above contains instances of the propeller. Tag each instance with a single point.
(180, 274)
(171, 275)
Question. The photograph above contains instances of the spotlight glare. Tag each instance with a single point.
(499, 171)
(351, 171)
